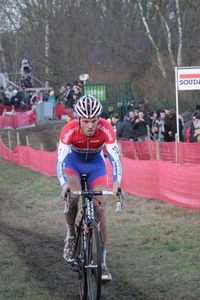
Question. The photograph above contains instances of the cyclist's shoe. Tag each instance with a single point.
(68, 251)
(105, 275)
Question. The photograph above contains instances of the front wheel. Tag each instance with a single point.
(80, 263)
(94, 262)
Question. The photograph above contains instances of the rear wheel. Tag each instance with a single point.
(94, 262)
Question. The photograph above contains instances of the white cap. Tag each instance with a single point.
(14, 92)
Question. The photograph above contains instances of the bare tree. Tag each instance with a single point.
(134, 41)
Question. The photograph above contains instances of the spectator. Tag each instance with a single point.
(14, 100)
(52, 99)
(187, 135)
(136, 112)
(76, 90)
(197, 127)
(22, 97)
(69, 101)
(161, 126)
(187, 122)
(37, 97)
(26, 82)
(28, 97)
(192, 127)
(2, 96)
(115, 121)
(60, 99)
(132, 105)
(154, 125)
(167, 133)
(17, 100)
(75, 99)
(140, 125)
(141, 105)
(174, 126)
(25, 67)
(125, 130)
(167, 111)
(8, 92)
(146, 105)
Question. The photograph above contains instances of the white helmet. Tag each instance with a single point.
(88, 107)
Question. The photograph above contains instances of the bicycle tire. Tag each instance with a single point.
(80, 258)
(94, 260)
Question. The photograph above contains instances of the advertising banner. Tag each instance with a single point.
(98, 91)
(188, 78)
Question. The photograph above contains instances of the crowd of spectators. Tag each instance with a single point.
(69, 94)
(14, 97)
(18, 97)
(160, 124)
(137, 125)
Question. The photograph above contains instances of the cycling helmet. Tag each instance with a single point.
(88, 107)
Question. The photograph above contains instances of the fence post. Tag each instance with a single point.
(4, 116)
(149, 142)
(18, 142)
(9, 145)
(157, 150)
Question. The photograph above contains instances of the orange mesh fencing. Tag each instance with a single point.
(176, 183)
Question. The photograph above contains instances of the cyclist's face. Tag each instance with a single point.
(88, 126)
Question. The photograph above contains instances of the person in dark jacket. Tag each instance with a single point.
(187, 122)
(2, 96)
(174, 126)
(140, 126)
(168, 129)
(125, 130)
(115, 121)
(17, 99)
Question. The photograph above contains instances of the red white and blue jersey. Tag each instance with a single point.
(76, 151)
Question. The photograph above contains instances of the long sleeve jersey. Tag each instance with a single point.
(73, 141)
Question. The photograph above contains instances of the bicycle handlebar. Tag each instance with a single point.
(93, 193)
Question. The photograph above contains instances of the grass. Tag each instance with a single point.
(14, 283)
(153, 248)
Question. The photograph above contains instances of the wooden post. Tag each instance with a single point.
(4, 116)
(134, 154)
(18, 142)
(149, 142)
(14, 117)
(27, 141)
(157, 150)
(9, 145)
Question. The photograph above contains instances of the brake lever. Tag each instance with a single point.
(67, 200)
(120, 204)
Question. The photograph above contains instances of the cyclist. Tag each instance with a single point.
(81, 151)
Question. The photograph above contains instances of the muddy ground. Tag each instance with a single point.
(51, 271)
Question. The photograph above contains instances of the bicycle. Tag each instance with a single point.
(87, 261)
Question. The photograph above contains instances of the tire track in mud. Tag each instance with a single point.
(43, 257)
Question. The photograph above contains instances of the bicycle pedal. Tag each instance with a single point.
(74, 266)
